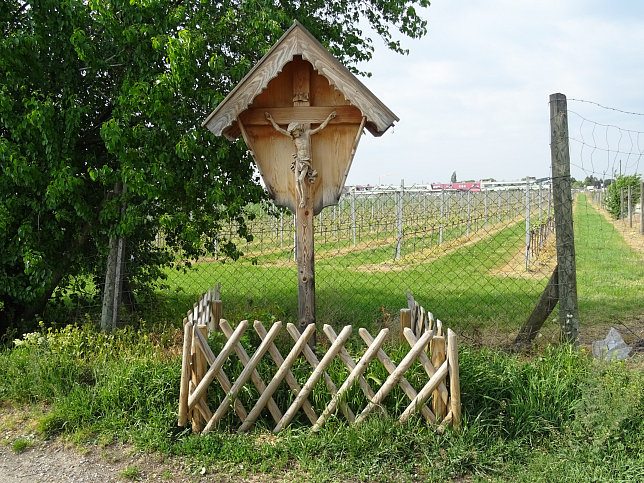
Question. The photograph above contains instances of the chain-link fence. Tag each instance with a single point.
(478, 255)
(478, 258)
(606, 150)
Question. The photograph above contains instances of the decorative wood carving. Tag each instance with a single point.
(298, 41)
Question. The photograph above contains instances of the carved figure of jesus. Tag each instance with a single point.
(300, 133)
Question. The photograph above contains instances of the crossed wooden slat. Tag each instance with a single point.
(436, 383)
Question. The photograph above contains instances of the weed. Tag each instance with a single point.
(132, 473)
(21, 444)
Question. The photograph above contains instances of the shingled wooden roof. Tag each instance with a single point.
(298, 41)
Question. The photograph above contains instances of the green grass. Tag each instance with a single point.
(132, 473)
(559, 416)
(459, 287)
(466, 287)
(21, 444)
(610, 275)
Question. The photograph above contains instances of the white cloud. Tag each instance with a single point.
(473, 95)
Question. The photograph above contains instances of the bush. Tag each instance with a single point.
(614, 194)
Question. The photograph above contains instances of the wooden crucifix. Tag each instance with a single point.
(301, 114)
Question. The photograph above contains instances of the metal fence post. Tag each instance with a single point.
(485, 206)
(498, 210)
(353, 215)
(440, 227)
(642, 208)
(630, 207)
(400, 219)
(527, 223)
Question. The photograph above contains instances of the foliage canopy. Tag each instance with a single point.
(98, 93)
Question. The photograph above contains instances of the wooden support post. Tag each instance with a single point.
(305, 269)
(560, 155)
(454, 378)
(114, 273)
(545, 305)
(216, 313)
(185, 373)
(405, 322)
(199, 370)
(438, 357)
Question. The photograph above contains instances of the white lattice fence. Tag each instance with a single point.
(201, 367)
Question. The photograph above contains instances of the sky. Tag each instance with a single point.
(473, 94)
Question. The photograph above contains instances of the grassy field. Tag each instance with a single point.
(478, 285)
(464, 285)
(559, 416)
(610, 274)
(556, 415)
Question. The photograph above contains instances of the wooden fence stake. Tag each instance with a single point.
(199, 369)
(254, 376)
(425, 392)
(313, 360)
(215, 316)
(427, 365)
(438, 357)
(405, 322)
(221, 378)
(243, 377)
(454, 378)
(185, 373)
(349, 362)
(217, 365)
(289, 377)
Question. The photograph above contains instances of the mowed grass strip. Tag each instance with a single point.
(610, 274)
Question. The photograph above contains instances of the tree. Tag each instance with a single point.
(614, 194)
(453, 178)
(95, 94)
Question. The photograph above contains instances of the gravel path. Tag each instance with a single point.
(48, 462)
(54, 462)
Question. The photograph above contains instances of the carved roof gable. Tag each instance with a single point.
(298, 41)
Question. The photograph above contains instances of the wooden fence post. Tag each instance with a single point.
(560, 155)
(199, 369)
(405, 322)
(185, 373)
(454, 379)
(438, 357)
(112, 294)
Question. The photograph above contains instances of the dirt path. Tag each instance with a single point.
(58, 462)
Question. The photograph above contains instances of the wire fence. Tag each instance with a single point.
(606, 148)
(479, 254)
(480, 257)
